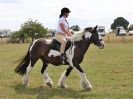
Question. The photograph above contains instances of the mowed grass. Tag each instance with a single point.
(109, 70)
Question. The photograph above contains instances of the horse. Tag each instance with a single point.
(48, 52)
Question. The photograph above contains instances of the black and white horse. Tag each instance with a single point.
(48, 52)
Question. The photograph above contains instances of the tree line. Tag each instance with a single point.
(33, 29)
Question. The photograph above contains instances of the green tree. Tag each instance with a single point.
(130, 27)
(120, 21)
(32, 29)
(75, 28)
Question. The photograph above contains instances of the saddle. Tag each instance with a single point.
(55, 45)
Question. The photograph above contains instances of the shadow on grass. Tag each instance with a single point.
(46, 92)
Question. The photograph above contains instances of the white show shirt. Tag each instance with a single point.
(62, 20)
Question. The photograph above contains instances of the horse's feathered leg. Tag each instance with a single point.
(26, 78)
(28, 70)
(84, 81)
(63, 77)
(47, 79)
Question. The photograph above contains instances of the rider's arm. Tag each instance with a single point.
(64, 30)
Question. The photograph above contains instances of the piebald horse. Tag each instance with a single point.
(48, 52)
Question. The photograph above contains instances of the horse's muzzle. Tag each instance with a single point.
(101, 45)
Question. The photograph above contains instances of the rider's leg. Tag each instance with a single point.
(61, 38)
(63, 45)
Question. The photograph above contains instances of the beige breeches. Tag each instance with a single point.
(61, 38)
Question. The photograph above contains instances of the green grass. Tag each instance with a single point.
(110, 71)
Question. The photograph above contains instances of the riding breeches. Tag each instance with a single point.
(61, 38)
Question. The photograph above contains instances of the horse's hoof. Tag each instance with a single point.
(88, 89)
(63, 86)
(49, 84)
(86, 86)
(26, 83)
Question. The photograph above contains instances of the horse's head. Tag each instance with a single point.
(94, 36)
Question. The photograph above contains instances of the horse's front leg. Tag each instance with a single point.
(84, 81)
(63, 77)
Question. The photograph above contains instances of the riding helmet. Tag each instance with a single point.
(65, 10)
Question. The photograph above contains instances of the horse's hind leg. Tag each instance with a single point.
(47, 79)
(63, 77)
(28, 70)
(26, 78)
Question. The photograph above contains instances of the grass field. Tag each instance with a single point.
(110, 71)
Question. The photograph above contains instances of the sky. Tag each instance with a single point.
(85, 13)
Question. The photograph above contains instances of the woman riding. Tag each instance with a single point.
(63, 30)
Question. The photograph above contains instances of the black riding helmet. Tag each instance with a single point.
(65, 10)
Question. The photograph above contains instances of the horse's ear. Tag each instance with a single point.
(95, 27)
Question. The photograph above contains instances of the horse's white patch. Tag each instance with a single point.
(88, 35)
(26, 78)
(70, 55)
(100, 37)
(46, 77)
(62, 79)
(29, 68)
(33, 44)
(54, 53)
(48, 41)
(102, 42)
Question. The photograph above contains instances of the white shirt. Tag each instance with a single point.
(62, 20)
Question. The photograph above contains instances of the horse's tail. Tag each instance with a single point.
(21, 68)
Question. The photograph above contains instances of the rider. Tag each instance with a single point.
(63, 30)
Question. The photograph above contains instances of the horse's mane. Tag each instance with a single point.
(77, 36)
